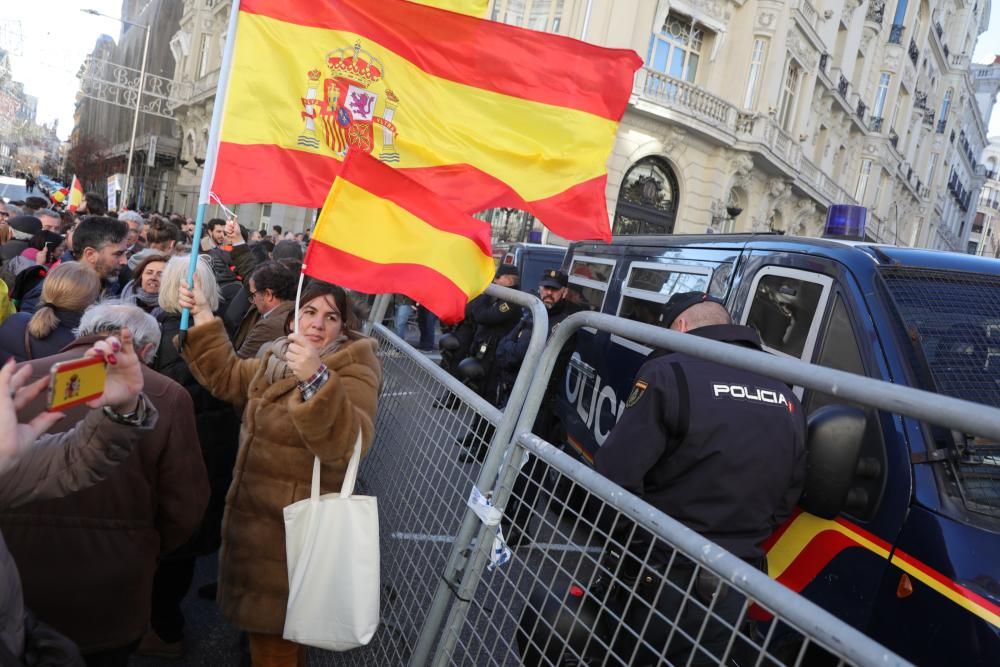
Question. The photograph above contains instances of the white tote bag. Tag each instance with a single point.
(333, 565)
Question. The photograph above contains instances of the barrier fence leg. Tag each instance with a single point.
(459, 581)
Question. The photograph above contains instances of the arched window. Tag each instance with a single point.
(647, 201)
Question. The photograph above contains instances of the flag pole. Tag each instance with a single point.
(211, 153)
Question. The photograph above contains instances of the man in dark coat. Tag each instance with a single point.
(100, 244)
(87, 560)
(493, 318)
(720, 449)
(552, 289)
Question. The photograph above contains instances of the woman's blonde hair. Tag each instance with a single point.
(175, 271)
(70, 286)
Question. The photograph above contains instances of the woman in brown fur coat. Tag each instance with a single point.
(306, 395)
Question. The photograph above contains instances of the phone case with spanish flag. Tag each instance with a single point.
(75, 382)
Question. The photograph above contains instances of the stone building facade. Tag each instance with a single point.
(760, 114)
(985, 237)
(197, 48)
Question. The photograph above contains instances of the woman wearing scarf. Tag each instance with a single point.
(306, 395)
(67, 291)
(144, 289)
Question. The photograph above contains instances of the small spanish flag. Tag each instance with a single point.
(75, 195)
(59, 195)
(380, 232)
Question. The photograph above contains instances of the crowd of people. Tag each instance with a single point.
(232, 416)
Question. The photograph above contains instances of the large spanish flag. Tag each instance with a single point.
(381, 232)
(480, 112)
(470, 7)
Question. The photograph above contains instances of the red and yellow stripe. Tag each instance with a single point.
(487, 114)
(380, 232)
(805, 544)
(470, 7)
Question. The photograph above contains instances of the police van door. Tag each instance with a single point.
(821, 318)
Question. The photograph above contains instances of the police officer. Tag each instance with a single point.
(552, 290)
(721, 450)
(493, 319)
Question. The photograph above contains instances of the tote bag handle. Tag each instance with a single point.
(350, 477)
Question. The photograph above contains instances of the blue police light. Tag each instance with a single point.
(846, 222)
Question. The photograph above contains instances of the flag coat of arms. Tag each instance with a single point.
(481, 113)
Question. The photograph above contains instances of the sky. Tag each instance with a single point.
(56, 36)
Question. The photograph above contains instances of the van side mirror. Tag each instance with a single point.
(833, 446)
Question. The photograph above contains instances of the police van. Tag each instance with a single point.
(531, 259)
(913, 557)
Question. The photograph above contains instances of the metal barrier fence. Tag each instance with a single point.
(421, 486)
(454, 597)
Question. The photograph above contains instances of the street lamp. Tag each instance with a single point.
(138, 96)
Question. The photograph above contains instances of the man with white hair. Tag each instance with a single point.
(87, 561)
(134, 239)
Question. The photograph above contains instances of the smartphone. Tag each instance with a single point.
(75, 382)
(51, 246)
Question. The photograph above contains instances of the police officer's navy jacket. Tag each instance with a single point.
(720, 449)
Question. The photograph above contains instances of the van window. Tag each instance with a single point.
(786, 308)
(590, 277)
(953, 320)
(839, 351)
(649, 286)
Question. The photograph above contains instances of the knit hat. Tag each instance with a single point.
(25, 226)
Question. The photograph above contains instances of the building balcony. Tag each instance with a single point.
(941, 125)
(862, 109)
(896, 34)
(894, 139)
(843, 86)
(928, 118)
(960, 61)
(688, 97)
(875, 124)
(913, 52)
(920, 99)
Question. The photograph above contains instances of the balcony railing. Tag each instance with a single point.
(894, 138)
(913, 52)
(876, 12)
(687, 96)
(938, 29)
(920, 99)
(824, 60)
(941, 125)
(862, 109)
(875, 124)
(960, 61)
(843, 85)
(947, 52)
(929, 117)
(896, 34)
